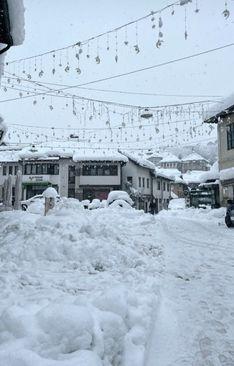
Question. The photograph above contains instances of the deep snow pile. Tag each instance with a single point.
(78, 287)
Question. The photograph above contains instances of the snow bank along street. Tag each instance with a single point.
(116, 287)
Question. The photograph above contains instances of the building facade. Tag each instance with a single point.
(194, 161)
(225, 128)
(137, 181)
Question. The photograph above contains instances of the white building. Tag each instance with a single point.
(137, 180)
(194, 161)
(224, 118)
(170, 161)
(82, 174)
(161, 188)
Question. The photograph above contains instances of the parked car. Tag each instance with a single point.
(119, 199)
(229, 218)
(38, 198)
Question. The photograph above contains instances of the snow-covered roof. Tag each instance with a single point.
(170, 158)
(9, 156)
(39, 152)
(44, 152)
(227, 174)
(212, 174)
(193, 176)
(194, 157)
(139, 160)
(172, 174)
(220, 109)
(98, 155)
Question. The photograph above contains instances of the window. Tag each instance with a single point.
(168, 187)
(129, 180)
(10, 169)
(100, 170)
(139, 182)
(143, 182)
(159, 185)
(148, 183)
(16, 169)
(164, 186)
(230, 136)
(41, 169)
(4, 170)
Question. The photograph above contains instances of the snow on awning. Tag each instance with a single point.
(212, 174)
(227, 174)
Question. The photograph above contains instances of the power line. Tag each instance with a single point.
(125, 91)
(75, 97)
(138, 70)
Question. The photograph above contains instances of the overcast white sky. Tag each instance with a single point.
(56, 23)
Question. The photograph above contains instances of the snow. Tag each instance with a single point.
(98, 154)
(73, 289)
(16, 14)
(194, 157)
(94, 204)
(50, 192)
(8, 156)
(139, 160)
(172, 174)
(212, 174)
(44, 326)
(70, 150)
(177, 204)
(170, 158)
(227, 174)
(116, 287)
(119, 195)
(193, 176)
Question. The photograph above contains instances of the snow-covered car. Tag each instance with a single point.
(38, 198)
(119, 199)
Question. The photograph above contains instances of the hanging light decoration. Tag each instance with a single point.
(226, 12)
(146, 114)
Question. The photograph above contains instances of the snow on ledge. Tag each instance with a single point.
(16, 13)
(227, 174)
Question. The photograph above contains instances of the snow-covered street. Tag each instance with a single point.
(116, 287)
(196, 318)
